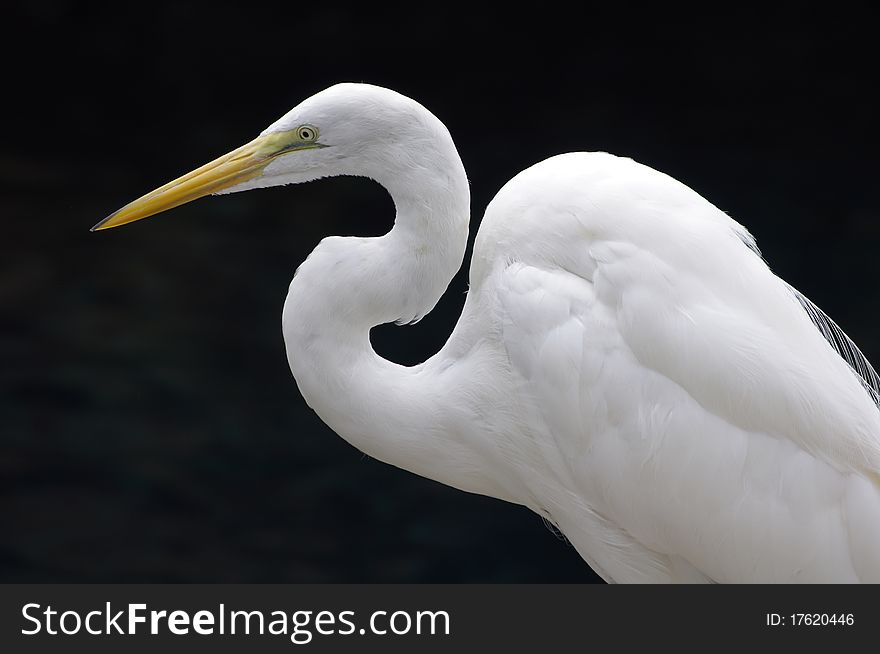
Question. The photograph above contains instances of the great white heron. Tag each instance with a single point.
(626, 365)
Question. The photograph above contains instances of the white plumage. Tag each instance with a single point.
(626, 365)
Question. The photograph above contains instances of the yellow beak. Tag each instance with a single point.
(241, 165)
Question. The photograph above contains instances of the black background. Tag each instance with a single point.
(150, 427)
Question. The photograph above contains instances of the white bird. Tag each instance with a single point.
(625, 365)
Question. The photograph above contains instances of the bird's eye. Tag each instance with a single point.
(307, 133)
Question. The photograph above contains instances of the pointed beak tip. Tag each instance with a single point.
(99, 226)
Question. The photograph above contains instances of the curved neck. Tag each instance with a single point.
(349, 285)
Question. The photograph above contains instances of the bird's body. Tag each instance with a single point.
(626, 365)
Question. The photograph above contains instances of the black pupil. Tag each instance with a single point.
(307, 133)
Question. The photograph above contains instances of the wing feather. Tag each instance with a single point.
(686, 413)
(842, 344)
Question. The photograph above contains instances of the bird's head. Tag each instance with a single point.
(347, 129)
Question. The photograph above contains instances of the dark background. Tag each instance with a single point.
(149, 426)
